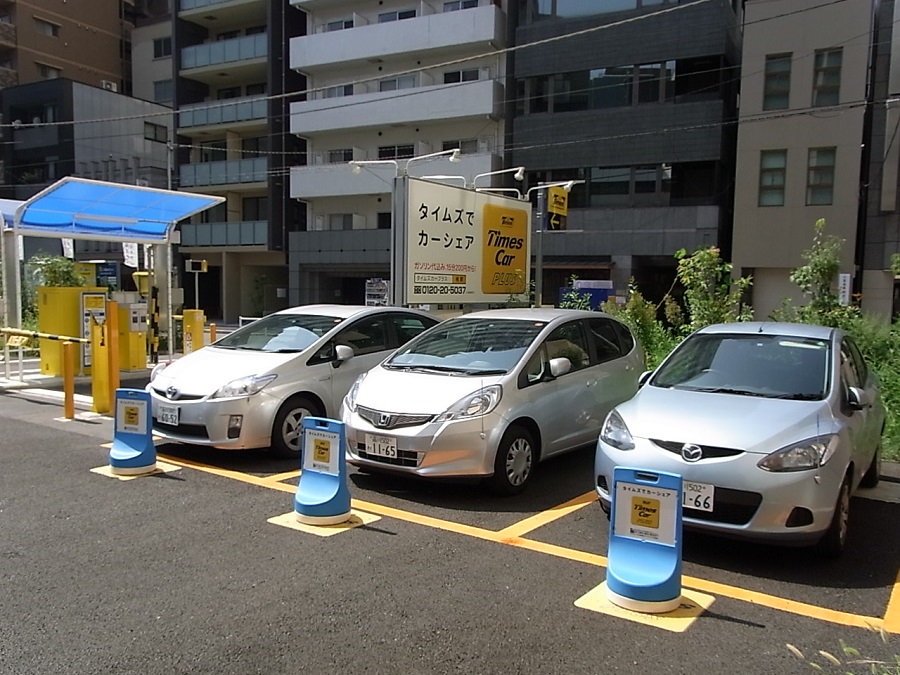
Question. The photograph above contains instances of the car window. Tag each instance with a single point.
(569, 340)
(859, 362)
(849, 374)
(534, 370)
(279, 332)
(606, 341)
(366, 336)
(626, 339)
(407, 327)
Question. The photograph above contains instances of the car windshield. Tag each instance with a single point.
(773, 366)
(280, 333)
(469, 346)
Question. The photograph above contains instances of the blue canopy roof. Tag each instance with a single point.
(79, 208)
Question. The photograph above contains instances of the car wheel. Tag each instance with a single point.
(832, 543)
(288, 424)
(514, 463)
(607, 509)
(873, 473)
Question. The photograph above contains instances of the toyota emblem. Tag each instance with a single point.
(691, 452)
(171, 392)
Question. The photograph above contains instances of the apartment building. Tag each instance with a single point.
(635, 101)
(806, 79)
(396, 83)
(220, 64)
(85, 42)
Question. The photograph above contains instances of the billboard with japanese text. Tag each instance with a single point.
(463, 246)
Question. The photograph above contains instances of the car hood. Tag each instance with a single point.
(748, 423)
(417, 393)
(202, 372)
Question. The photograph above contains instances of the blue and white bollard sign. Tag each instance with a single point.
(644, 560)
(132, 452)
(323, 497)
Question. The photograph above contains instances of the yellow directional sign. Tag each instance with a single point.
(557, 207)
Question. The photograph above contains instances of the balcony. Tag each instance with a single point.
(35, 137)
(340, 247)
(243, 233)
(7, 34)
(210, 13)
(469, 100)
(212, 113)
(241, 60)
(441, 34)
(338, 180)
(230, 172)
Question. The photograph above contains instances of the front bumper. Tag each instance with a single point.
(456, 448)
(750, 503)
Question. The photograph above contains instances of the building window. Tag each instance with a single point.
(162, 47)
(255, 30)
(213, 151)
(394, 83)
(820, 176)
(228, 35)
(383, 220)
(228, 92)
(256, 89)
(772, 167)
(460, 4)
(340, 221)
(339, 25)
(397, 16)
(162, 91)
(155, 132)
(339, 156)
(777, 86)
(467, 146)
(48, 72)
(827, 77)
(255, 146)
(255, 208)
(470, 75)
(337, 92)
(47, 28)
(610, 187)
(395, 151)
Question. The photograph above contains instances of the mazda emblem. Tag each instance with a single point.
(691, 452)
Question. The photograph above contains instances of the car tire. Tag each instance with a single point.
(833, 542)
(607, 510)
(873, 473)
(288, 424)
(515, 461)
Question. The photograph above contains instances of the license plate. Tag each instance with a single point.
(697, 496)
(167, 414)
(382, 446)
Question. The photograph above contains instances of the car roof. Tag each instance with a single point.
(771, 328)
(344, 311)
(545, 314)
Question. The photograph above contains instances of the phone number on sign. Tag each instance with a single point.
(443, 290)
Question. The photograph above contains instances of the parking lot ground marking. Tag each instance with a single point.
(287, 475)
(357, 518)
(892, 613)
(693, 604)
(532, 523)
(883, 492)
(702, 585)
(161, 467)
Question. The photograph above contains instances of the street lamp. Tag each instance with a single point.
(519, 175)
(443, 177)
(358, 164)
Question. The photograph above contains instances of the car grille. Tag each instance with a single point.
(407, 458)
(384, 420)
(192, 430)
(181, 397)
(709, 451)
(734, 507)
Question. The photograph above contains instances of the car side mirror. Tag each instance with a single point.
(560, 366)
(342, 353)
(642, 380)
(858, 398)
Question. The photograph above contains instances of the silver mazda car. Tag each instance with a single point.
(772, 427)
(491, 393)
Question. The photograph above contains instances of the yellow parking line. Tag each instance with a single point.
(287, 475)
(544, 517)
(890, 623)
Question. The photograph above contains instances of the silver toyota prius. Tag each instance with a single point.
(492, 393)
(772, 427)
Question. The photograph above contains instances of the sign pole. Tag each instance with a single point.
(539, 248)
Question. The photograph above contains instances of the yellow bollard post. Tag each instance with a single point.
(112, 336)
(212, 333)
(193, 329)
(68, 349)
(99, 368)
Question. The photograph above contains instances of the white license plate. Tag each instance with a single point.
(167, 414)
(382, 446)
(698, 496)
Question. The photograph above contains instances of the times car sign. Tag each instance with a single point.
(454, 245)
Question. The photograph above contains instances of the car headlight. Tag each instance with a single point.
(354, 391)
(802, 456)
(478, 403)
(157, 369)
(244, 386)
(615, 432)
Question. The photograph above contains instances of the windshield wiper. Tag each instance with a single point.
(486, 371)
(724, 390)
(423, 368)
(798, 397)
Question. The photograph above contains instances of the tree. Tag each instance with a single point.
(711, 295)
(55, 270)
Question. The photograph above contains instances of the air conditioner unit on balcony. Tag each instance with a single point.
(109, 85)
